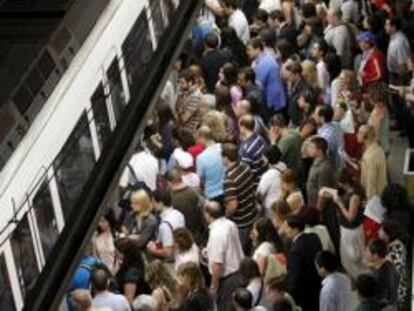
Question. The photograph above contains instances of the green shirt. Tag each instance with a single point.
(290, 145)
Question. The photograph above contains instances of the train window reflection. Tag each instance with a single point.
(24, 255)
(45, 217)
(74, 164)
(157, 18)
(115, 88)
(101, 116)
(6, 295)
(137, 50)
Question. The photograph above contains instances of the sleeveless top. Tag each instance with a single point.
(359, 217)
(385, 132)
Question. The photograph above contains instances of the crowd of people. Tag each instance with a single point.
(261, 181)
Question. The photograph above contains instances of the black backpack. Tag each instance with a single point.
(124, 202)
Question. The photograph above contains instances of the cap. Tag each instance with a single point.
(366, 36)
(183, 158)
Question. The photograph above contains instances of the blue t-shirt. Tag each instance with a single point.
(211, 170)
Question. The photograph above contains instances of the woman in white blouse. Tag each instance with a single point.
(266, 242)
(103, 244)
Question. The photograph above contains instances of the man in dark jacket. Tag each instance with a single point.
(296, 86)
(213, 59)
(303, 281)
(384, 272)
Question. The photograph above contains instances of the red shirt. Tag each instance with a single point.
(196, 150)
(379, 3)
(374, 68)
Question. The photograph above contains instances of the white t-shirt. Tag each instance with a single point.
(240, 24)
(256, 288)
(270, 5)
(269, 185)
(192, 255)
(224, 246)
(171, 219)
(323, 75)
(191, 180)
(264, 250)
(146, 169)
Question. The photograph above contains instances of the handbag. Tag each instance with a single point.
(276, 267)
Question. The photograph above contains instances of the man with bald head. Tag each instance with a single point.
(224, 254)
(105, 298)
(340, 36)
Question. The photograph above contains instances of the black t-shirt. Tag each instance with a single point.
(211, 63)
(199, 301)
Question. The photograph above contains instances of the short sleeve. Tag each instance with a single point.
(264, 250)
(165, 235)
(217, 253)
(263, 187)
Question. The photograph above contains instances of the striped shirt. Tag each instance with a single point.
(251, 153)
(238, 185)
(188, 103)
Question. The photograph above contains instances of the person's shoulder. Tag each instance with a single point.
(177, 213)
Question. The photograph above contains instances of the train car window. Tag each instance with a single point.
(137, 50)
(45, 217)
(101, 116)
(116, 91)
(35, 81)
(157, 19)
(22, 99)
(169, 8)
(74, 164)
(6, 295)
(46, 64)
(24, 255)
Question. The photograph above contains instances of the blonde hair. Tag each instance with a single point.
(310, 73)
(351, 79)
(142, 198)
(215, 121)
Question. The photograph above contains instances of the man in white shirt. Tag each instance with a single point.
(224, 254)
(339, 36)
(268, 190)
(143, 167)
(336, 292)
(171, 219)
(237, 19)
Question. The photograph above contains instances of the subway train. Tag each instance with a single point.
(44, 176)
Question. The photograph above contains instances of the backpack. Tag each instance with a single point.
(124, 202)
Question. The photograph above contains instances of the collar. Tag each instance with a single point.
(165, 212)
(297, 237)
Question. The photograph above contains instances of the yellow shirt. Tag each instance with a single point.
(374, 171)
